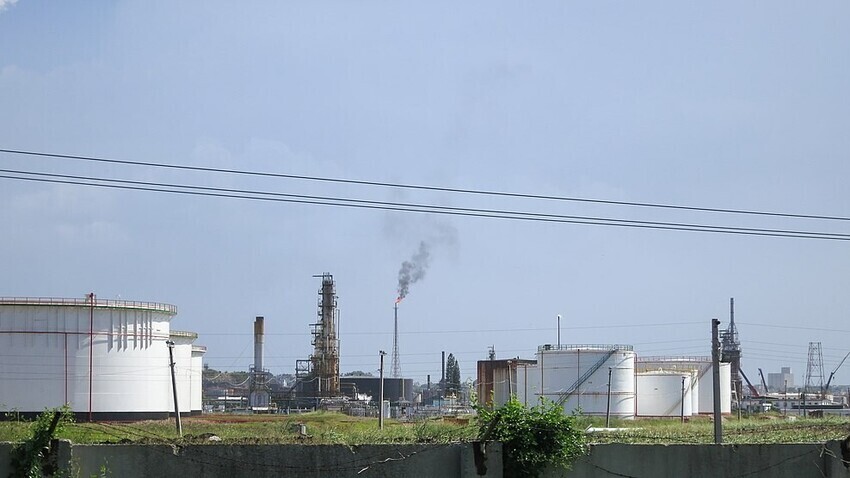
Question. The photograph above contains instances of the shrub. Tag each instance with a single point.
(532, 438)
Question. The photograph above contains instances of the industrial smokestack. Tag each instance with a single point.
(259, 332)
(443, 380)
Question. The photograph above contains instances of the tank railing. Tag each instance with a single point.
(586, 375)
(605, 347)
(661, 358)
(84, 302)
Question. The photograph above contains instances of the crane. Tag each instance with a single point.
(754, 390)
(763, 383)
(832, 374)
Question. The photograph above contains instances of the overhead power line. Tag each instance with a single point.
(406, 207)
(483, 192)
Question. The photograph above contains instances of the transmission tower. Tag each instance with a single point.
(814, 368)
(396, 365)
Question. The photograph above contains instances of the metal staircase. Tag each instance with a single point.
(565, 395)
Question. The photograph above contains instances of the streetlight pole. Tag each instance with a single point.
(559, 331)
(381, 401)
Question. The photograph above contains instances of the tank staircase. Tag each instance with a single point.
(565, 395)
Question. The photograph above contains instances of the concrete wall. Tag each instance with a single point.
(258, 461)
(709, 461)
(449, 461)
(5, 458)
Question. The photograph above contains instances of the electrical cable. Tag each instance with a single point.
(493, 212)
(481, 213)
(420, 187)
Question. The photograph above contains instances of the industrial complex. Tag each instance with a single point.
(117, 359)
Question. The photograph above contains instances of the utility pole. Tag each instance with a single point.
(683, 400)
(170, 345)
(608, 407)
(91, 351)
(381, 402)
(715, 373)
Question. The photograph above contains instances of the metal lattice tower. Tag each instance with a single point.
(730, 349)
(396, 364)
(814, 367)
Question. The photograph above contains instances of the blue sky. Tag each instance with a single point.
(722, 105)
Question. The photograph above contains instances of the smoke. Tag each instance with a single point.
(413, 270)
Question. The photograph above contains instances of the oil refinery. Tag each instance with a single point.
(110, 359)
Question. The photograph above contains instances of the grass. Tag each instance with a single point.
(335, 428)
(322, 428)
(764, 429)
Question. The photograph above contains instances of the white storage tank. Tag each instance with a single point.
(106, 359)
(182, 370)
(704, 388)
(577, 376)
(664, 394)
(197, 381)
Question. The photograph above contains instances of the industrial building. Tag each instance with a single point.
(780, 382)
(105, 359)
(606, 379)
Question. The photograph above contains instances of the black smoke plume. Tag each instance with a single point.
(413, 270)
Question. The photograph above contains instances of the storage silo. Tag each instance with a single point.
(183, 370)
(664, 394)
(577, 377)
(106, 359)
(705, 381)
(197, 399)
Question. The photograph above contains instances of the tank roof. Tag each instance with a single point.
(85, 302)
(593, 347)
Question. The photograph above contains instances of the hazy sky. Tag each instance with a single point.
(725, 105)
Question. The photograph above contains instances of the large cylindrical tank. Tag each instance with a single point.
(183, 369)
(705, 380)
(664, 394)
(577, 376)
(197, 380)
(104, 358)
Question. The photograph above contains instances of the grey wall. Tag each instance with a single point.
(709, 461)
(444, 461)
(258, 461)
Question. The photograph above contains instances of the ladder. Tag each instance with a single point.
(565, 395)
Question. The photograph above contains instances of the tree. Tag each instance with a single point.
(452, 375)
(532, 438)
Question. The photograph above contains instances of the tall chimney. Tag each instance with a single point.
(443, 380)
(259, 331)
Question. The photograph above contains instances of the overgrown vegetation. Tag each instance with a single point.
(765, 429)
(321, 428)
(28, 457)
(533, 438)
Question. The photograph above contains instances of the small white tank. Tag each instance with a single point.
(664, 394)
(705, 380)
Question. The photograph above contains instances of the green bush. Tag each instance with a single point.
(28, 457)
(532, 438)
